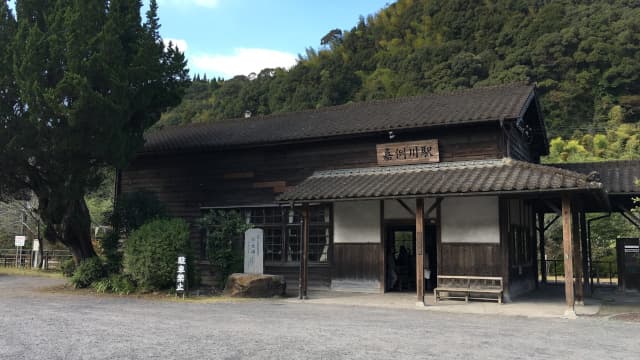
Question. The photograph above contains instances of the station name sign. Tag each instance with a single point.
(410, 152)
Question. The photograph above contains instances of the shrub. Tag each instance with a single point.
(132, 211)
(110, 249)
(221, 229)
(151, 252)
(68, 267)
(116, 283)
(89, 271)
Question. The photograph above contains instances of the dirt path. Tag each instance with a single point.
(42, 325)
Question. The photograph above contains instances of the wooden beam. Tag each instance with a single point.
(543, 263)
(567, 245)
(420, 249)
(433, 207)
(406, 207)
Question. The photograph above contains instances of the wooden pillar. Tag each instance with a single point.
(420, 249)
(567, 245)
(586, 271)
(543, 264)
(577, 258)
(304, 254)
(383, 252)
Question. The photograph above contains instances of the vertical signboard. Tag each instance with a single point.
(628, 263)
(253, 254)
(181, 276)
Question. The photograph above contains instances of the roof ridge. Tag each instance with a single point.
(562, 171)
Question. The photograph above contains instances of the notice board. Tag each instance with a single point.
(628, 253)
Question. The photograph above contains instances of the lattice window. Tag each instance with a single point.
(283, 235)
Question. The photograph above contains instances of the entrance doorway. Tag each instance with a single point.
(400, 257)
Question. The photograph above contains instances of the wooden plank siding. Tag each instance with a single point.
(188, 182)
(357, 261)
(470, 259)
(519, 229)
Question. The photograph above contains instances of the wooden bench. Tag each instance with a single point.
(469, 287)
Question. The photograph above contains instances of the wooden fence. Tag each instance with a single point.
(51, 259)
(602, 272)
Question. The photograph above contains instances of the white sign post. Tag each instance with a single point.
(253, 255)
(35, 249)
(19, 241)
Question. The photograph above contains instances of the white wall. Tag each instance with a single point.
(470, 220)
(356, 222)
(394, 211)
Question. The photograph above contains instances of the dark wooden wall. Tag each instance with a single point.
(521, 270)
(521, 147)
(319, 275)
(470, 259)
(187, 182)
(357, 262)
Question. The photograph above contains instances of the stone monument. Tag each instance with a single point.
(253, 254)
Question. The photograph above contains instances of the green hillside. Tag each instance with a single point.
(583, 55)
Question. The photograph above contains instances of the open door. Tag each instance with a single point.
(400, 258)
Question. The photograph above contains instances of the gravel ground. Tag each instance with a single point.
(43, 325)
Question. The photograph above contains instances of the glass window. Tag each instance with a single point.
(282, 238)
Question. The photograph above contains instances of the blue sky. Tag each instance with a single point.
(224, 38)
(231, 37)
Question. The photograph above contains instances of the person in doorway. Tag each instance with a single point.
(402, 264)
(392, 276)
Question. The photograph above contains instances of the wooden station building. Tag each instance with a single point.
(383, 190)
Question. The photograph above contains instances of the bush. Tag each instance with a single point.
(221, 229)
(151, 252)
(68, 267)
(116, 283)
(87, 272)
(132, 211)
(110, 249)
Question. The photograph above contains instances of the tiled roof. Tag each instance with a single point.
(463, 177)
(618, 177)
(460, 107)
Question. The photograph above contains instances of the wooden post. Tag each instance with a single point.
(543, 264)
(577, 258)
(383, 253)
(420, 249)
(304, 257)
(586, 271)
(567, 242)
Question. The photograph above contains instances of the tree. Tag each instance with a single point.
(80, 81)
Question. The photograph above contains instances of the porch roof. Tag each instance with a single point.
(618, 177)
(481, 177)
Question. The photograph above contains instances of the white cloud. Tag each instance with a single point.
(243, 61)
(184, 3)
(180, 43)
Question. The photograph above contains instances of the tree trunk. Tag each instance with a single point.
(71, 226)
(77, 231)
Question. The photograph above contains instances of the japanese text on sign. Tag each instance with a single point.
(181, 281)
(412, 152)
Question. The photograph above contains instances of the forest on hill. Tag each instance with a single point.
(583, 56)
